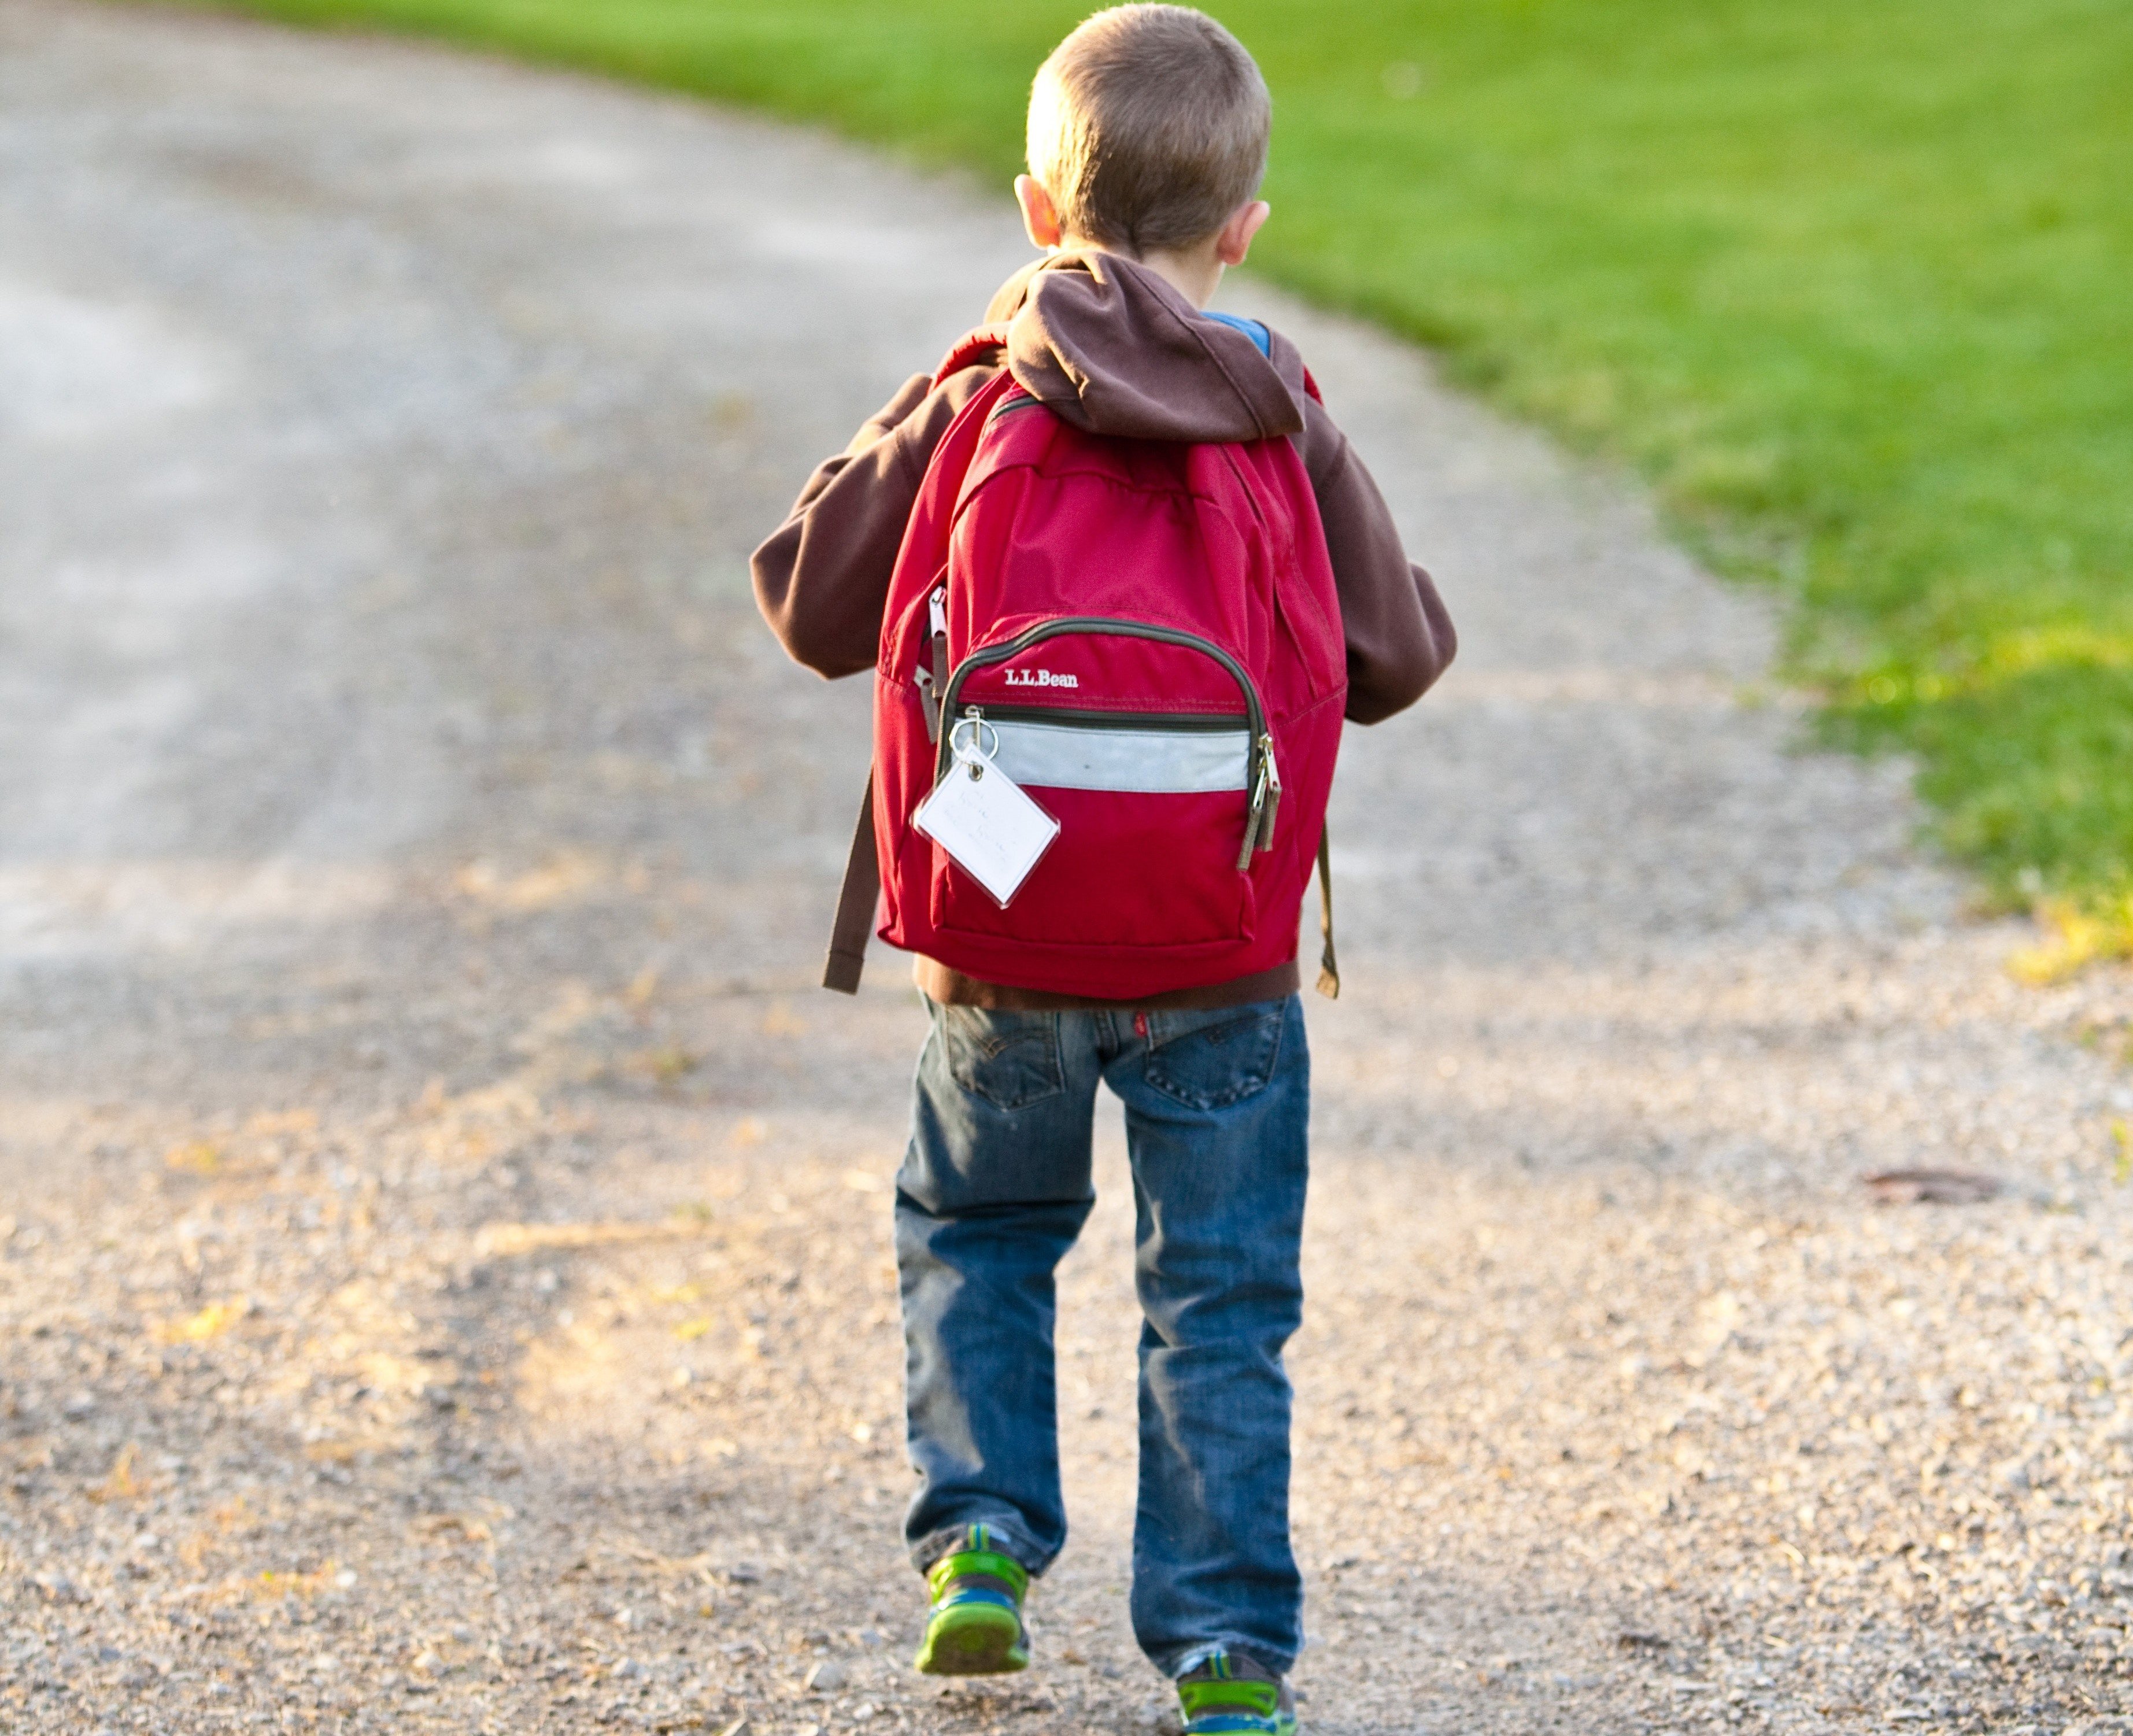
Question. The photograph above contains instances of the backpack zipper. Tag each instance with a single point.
(1261, 777)
(1214, 722)
(930, 684)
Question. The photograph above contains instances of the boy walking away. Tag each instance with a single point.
(1119, 577)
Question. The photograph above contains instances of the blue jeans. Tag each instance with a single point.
(994, 1190)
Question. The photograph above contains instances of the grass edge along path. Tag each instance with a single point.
(1843, 281)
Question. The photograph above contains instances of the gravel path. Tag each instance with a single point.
(444, 1268)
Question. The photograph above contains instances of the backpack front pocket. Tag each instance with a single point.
(1130, 869)
(1160, 806)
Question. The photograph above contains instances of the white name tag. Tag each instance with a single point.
(986, 822)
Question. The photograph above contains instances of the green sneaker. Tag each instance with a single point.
(1229, 1692)
(976, 1626)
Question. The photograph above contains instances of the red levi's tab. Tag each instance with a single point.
(1149, 633)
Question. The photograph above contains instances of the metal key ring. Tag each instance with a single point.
(977, 726)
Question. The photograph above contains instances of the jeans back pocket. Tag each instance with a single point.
(1011, 1059)
(1212, 1059)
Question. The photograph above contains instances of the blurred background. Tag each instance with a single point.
(1844, 283)
(444, 1267)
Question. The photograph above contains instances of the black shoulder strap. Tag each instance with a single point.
(855, 905)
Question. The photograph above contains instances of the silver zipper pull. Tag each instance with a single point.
(929, 701)
(933, 688)
(1272, 774)
(1252, 820)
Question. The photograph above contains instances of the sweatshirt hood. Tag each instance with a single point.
(1110, 346)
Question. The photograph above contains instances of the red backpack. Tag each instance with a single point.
(1149, 633)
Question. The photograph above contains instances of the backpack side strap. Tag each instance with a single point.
(1329, 967)
(855, 905)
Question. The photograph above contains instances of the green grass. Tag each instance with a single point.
(1850, 282)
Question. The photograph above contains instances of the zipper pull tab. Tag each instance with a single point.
(1253, 820)
(929, 701)
(1266, 803)
(1271, 773)
(937, 620)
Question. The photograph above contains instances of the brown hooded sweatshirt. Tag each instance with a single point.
(1112, 347)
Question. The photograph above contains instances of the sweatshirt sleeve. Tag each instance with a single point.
(1399, 635)
(821, 577)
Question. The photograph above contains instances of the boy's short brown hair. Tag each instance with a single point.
(1148, 126)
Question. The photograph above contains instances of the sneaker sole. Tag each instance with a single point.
(975, 1640)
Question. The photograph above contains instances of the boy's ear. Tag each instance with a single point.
(1234, 239)
(1040, 217)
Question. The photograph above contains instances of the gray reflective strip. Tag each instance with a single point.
(1061, 756)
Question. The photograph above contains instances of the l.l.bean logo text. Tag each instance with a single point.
(1040, 678)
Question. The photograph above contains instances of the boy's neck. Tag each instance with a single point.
(1194, 272)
